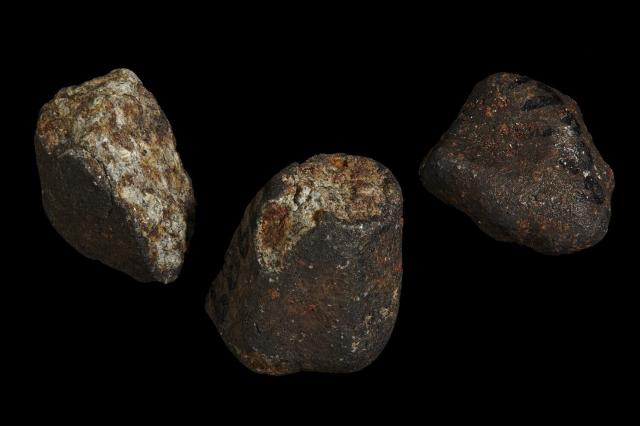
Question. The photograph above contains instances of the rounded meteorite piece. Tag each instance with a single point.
(521, 163)
(112, 182)
(311, 280)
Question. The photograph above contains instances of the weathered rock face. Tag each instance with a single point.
(311, 280)
(112, 182)
(521, 163)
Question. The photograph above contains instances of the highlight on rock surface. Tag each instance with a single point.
(112, 182)
(311, 280)
(521, 163)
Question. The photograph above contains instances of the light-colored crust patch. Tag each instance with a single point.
(349, 187)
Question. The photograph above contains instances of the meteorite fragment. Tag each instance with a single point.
(521, 163)
(112, 182)
(311, 280)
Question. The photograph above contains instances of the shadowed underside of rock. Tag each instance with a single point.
(521, 163)
(112, 182)
(311, 279)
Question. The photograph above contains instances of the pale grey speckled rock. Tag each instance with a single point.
(112, 182)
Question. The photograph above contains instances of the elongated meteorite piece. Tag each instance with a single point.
(521, 163)
(112, 182)
(311, 280)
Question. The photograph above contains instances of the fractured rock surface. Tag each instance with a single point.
(112, 182)
(521, 163)
(311, 279)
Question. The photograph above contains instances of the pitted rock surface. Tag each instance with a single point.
(521, 163)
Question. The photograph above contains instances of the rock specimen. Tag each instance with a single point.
(112, 182)
(311, 280)
(520, 162)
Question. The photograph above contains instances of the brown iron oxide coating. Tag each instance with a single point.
(521, 163)
(311, 279)
(112, 182)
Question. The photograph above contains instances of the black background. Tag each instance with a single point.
(481, 322)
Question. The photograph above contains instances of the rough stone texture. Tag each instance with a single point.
(311, 280)
(112, 182)
(521, 163)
